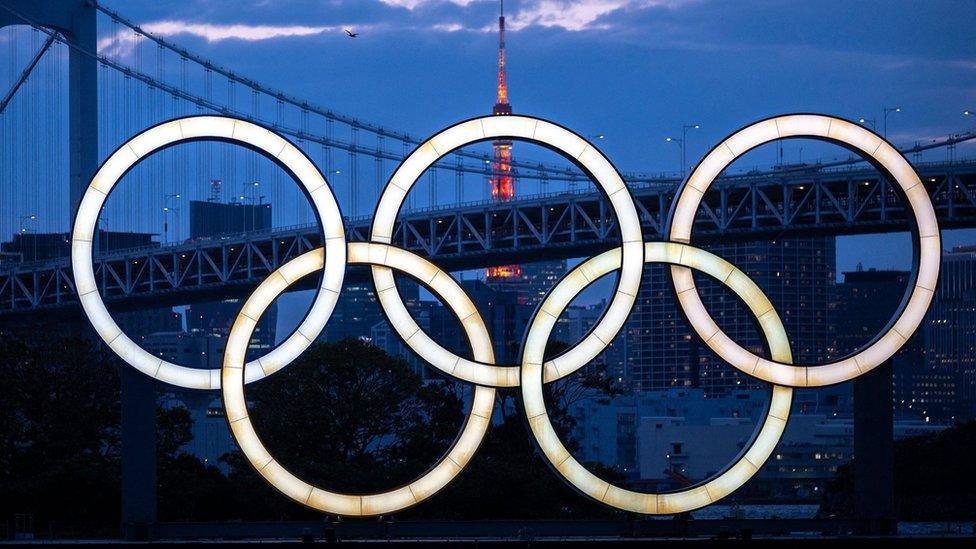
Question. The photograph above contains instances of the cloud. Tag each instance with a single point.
(122, 43)
(250, 33)
(578, 15)
(569, 15)
(414, 4)
(449, 27)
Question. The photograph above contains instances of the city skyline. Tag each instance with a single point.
(536, 267)
(843, 61)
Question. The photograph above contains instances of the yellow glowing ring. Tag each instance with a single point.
(883, 155)
(749, 460)
(550, 135)
(220, 128)
(235, 404)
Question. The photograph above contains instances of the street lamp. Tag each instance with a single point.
(869, 122)
(254, 202)
(29, 217)
(684, 144)
(681, 142)
(166, 210)
(887, 111)
(24, 230)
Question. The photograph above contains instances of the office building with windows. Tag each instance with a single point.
(798, 276)
(950, 338)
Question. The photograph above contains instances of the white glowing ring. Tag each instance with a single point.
(749, 460)
(235, 404)
(890, 161)
(220, 128)
(550, 135)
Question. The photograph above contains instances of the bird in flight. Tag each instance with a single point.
(351, 34)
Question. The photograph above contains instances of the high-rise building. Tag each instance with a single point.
(357, 311)
(796, 274)
(27, 246)
(202, 344)
(950, 337)
(424, 314)
(192, 349)
(532, 281)
(576, 322)
(210, 219)
(149, 321)
(504, 313)
(866, 301)
(669, 439)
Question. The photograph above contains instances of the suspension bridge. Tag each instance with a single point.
(78, 78)
(86, 64)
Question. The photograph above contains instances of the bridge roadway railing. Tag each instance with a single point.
(752, 206)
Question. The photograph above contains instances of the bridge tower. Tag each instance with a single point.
(75, 20)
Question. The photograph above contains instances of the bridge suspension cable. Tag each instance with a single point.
(524, 169)
(304, 105)
(140, 90)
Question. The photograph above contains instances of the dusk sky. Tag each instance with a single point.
(634, 70)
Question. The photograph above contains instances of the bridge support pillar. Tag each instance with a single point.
(138, 454)
(874, 469)
(76, 21)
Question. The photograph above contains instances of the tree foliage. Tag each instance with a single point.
(60, 441)
(933, 478)
(345, 416)
(351, 418)
(59, 430)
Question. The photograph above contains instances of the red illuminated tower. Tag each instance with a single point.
(502, 182)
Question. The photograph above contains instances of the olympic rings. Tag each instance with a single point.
(573, 147)
(749, 460)
(183, 130)
(891, 163)
(232, 388)
(533, 371)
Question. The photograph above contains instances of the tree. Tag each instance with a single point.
(346, 416)
(60, 441)
(349, 417)
(188, 490)
(508, 478)
(933, 478)
(59, 431)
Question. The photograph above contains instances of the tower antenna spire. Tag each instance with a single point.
(502, 180)
(501, 103)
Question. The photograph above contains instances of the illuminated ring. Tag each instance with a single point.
(214, 128)
(560, 140)
(927, 253)
(235, 404)
(749, 460)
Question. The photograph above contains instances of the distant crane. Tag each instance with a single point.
(351, 34)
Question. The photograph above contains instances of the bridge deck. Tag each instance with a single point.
(747, 207)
